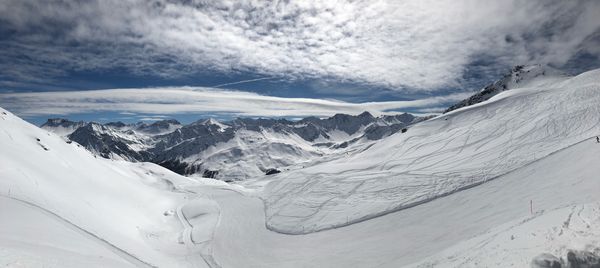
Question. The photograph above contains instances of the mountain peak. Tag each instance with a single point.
(528, 75)
(61, 126)
(366, 114)
(519, 76)
(55, 122)
(159, 127)
(116, 124)
(209, 121)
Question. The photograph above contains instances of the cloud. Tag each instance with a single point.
(194, 100)
(151, 118)
(406, 45)
(243, 81)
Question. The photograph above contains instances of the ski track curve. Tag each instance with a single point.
(188, 238)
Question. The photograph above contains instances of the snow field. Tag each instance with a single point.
(437, 157)
(122, 204)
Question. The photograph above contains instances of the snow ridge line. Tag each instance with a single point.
(414, 204)
(119, 251)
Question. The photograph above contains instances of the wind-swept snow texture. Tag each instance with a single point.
(438, 157)
(128, 208)
(490, 214)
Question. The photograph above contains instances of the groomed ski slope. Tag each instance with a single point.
(489, 214)
(136, 210)
(437, 157)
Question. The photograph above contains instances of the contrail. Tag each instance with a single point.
(244, 81)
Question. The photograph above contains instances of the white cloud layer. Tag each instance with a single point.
(195, 100)
(417, 44)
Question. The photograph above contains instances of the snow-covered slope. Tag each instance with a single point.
(566, 237)
(519, 77)
(560, 194)
(31, 238)
(438, 157)
(438, 233)
(249, 154)
(134, 209)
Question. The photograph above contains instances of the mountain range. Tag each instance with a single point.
(230, 150)
(247, 147)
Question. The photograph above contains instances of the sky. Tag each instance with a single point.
(130, 60)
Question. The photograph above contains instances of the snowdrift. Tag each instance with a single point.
(438, 157)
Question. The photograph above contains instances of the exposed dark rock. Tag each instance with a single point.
(575, 259)
(158, 127)
(61, 122)
(376, 132)
(310, 132)
(97, 138)
(210, 173)
(513, 78)
(583, 259)
(179, 167)
(117, 124)
(546, 260)
(272, 171)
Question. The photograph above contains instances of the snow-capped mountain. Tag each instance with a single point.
(520, 76)
(115, 140)
(111, 141)
(158, 127)
(62, 126)
(508, 182)
(232, 150)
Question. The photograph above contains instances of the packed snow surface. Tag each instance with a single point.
(437, 157)
(566, 180)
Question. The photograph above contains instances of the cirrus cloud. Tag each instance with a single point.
(196, 100)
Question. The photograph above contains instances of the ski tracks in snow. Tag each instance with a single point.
(199, 218)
